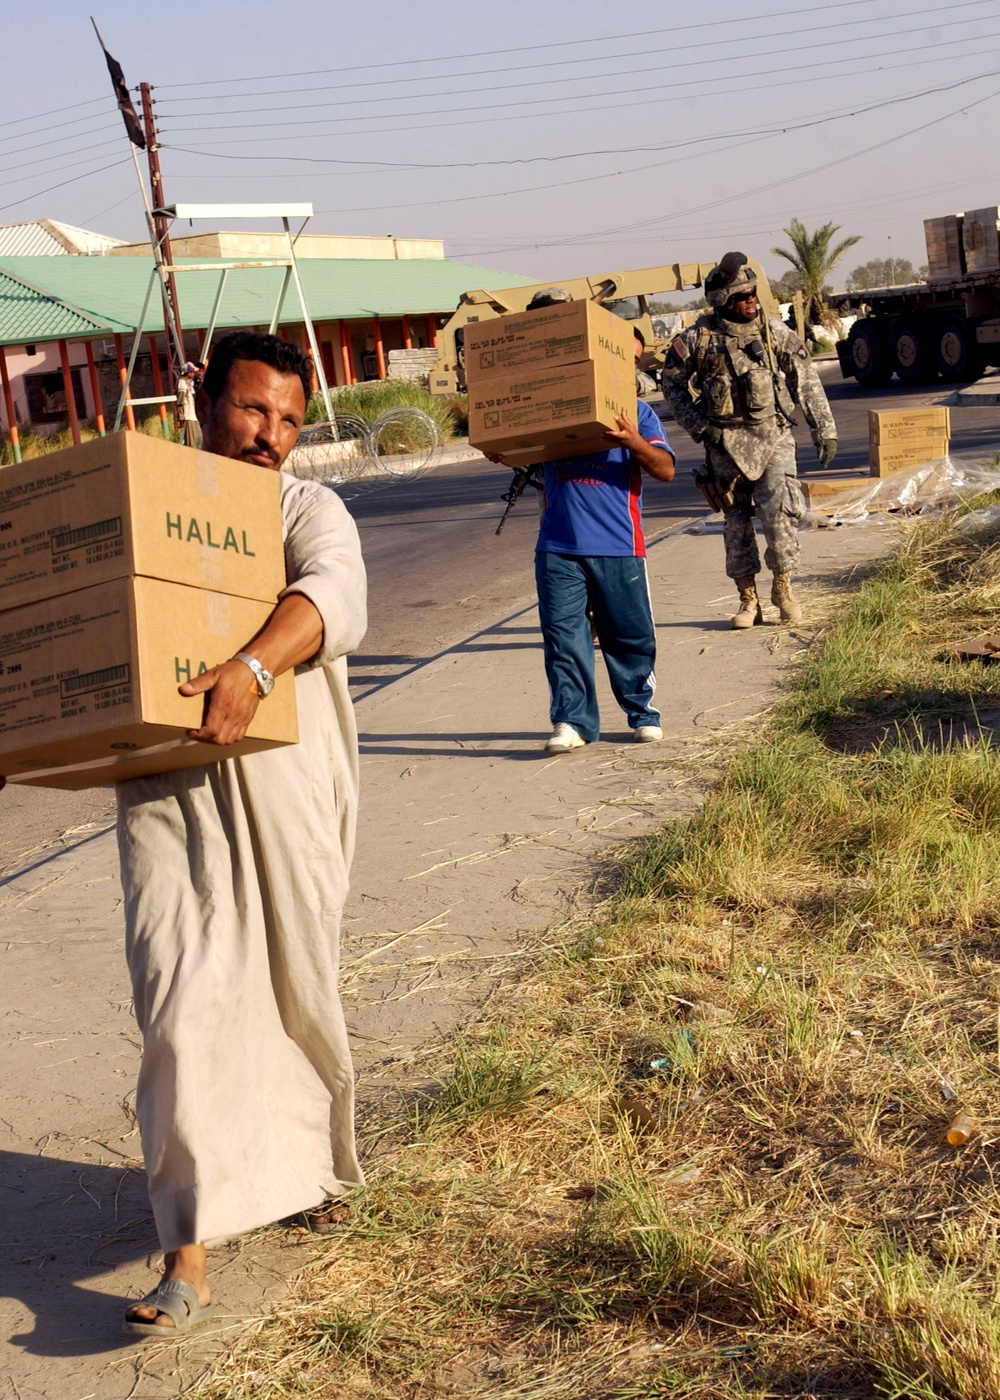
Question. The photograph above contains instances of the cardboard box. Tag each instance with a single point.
(908, 425)
(981, 239)
(886, 460)
(543, 403)
(822, 492)
(945, 248)
(131, 504)
(550, 335)
(88, 682)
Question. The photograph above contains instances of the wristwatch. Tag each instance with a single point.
(264, 679)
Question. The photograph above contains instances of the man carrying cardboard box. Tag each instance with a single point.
(590, 564)
(235, 875)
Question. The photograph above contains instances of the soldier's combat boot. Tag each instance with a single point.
(749, 613)
(783, 598)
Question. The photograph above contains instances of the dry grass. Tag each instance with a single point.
(698, 1152)
(41, 444)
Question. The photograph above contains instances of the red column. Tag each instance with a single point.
(158, 384)
(347, 359)
(8, 403)
(407, 337)
(379, 347)
(432, 330)
(95, 390)
(122, 376)
(201, 344)
(74, 420)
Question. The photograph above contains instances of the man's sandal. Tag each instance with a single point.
(174, 1299)
(326, 1219)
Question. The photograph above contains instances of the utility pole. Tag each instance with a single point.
(161, 225)
(892, 265)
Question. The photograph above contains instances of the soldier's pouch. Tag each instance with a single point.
(716, 387)
(758, 392)
(793, 501)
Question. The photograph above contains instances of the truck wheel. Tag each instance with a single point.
(910, 350)
(959, 355)
(866, 353)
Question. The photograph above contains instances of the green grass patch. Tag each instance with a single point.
(699, 1152)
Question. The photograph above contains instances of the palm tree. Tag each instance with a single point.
(812, 258)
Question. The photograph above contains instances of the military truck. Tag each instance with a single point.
(626, 294)
(948, 326)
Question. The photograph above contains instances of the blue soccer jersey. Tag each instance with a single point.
(593, 504)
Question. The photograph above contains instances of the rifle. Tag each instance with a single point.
(523, 476)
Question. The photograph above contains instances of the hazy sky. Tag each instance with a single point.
(545, 137)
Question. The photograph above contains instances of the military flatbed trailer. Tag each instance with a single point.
(947, 327)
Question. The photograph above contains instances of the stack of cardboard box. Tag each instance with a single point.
(981, 239)
(944, 239)
(128, 566)
(546, 384)
(906, 438)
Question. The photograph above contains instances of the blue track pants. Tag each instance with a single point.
(618, 594)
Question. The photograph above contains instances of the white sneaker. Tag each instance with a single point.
(647, 734)
(564, 737)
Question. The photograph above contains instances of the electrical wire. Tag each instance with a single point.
(59, 126)
(57, 155)
(645, 102)
(38, 193)
(541, 101)
(662, 218)
(53, 111)
(531, 48)
(645, 52)
(782, 128)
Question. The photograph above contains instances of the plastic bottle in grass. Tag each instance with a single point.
(960, 1129)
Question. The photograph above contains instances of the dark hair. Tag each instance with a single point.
(639, 336)
(268, 349)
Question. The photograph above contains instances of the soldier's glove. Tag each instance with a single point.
(826, 451)
(712, 436)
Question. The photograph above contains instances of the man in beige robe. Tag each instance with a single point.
(235, 876)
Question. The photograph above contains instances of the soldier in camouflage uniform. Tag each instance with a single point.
(732, 381)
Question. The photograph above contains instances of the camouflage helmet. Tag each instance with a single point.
(733, 274)
(549, 296)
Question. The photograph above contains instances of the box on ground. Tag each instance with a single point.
(908, 425)
(535, 399)
(894, 458)
(130, 504)
(88, 682)
(822, 491)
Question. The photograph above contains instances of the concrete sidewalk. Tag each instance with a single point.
(471, 842)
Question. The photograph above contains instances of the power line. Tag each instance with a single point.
(743, 194)
(837, 114)
(56, 155)
(38, 193)
(711, 61)
(412, 126)
(53, 111)
(645, 52)
(57, 126)
(530, 48)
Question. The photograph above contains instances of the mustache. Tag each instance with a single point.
(260, 450)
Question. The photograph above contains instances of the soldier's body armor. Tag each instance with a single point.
(734, 376)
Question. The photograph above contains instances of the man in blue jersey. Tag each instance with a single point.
(591, 553)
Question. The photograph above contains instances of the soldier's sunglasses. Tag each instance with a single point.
(744, 296)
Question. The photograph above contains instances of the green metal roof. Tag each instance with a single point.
(47, 298)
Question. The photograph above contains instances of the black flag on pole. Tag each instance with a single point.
(129, 115)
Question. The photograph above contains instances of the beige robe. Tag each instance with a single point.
(235, 876)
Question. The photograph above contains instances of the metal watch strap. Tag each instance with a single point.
(263, 677)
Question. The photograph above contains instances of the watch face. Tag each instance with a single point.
(265, 682)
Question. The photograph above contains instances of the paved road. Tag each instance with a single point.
(438, 572)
